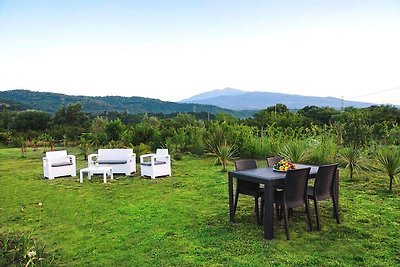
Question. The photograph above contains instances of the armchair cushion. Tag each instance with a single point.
(60, 164)
(156, 162)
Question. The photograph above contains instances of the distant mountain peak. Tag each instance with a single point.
(228, 91)
(234, 99)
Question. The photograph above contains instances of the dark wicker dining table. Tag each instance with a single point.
(269, 178)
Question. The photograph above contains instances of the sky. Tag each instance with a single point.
(172, 50)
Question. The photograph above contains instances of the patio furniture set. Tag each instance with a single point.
(107, 162)
(285, 190)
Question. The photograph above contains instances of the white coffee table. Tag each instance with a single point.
(96, 170)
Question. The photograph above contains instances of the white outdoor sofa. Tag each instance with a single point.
(155, 165)
(58, 163)
(121, 160)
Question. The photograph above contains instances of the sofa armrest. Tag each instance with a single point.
(91, 160)
(72, 158)
(131, 157)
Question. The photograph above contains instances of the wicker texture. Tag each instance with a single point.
(324, 189)
(294, 194)
(246, 187)
(271, 161)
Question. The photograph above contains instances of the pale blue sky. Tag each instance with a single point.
(174, 49)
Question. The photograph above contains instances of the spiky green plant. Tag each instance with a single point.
(295, 151)
(389, 162)
(352, 158)
(224, 154)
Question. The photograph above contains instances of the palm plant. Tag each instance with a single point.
(295, 151)
(224, 154)
(389, 162)
(352, 158)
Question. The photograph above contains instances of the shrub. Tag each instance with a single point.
(389, 162)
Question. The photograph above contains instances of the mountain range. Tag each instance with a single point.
(235, 99)
(51, 102)
(232, 101)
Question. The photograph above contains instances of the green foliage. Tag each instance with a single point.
(114, 130)
(30, 120)
(224, 154)
(322, 151)
(295, 151)
(353, 159)
(22, 250)
(388, 159)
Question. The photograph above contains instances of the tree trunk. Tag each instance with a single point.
(391, 183)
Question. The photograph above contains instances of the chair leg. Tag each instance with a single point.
(336, 210)
(257, 210)
(285, 213)
(262, 211)
(317, 214)
(290, 214)
(236, 202)
(278, 215)
(308, 215)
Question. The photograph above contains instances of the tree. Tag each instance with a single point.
(30, 120)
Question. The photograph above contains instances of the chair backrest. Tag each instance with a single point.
(295, 188)
(246, 187)
(245, 164)
(324, 181)
(271, 161)
(114, 153)
(162, 151)
(62, 154)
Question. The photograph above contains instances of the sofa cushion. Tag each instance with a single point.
(112, 161)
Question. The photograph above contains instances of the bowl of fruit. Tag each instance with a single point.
(284, 166)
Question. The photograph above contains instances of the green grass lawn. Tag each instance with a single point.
(183, 220)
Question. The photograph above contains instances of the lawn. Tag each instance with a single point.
(183, 220)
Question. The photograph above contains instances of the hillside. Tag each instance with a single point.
(135, 105)
(241, 100)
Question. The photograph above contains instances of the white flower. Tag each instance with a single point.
(31, 254)
(40, 204)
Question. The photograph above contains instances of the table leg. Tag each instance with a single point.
(80, 176)
(90, 175)
(230, 191)
(105, 177)
(337, 193)
(268, 211)
(111, 174)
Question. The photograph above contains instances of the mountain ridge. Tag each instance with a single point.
(51, 102)
(260, 100)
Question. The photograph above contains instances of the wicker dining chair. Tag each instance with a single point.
(324, 188)
(246, 187)
(294, 194)
(271, 161)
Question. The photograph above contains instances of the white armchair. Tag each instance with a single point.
(58, 163)
(155, 165)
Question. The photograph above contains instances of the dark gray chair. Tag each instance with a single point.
(324, 188)
(246, 187)
(294, 194)
(271, 161)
